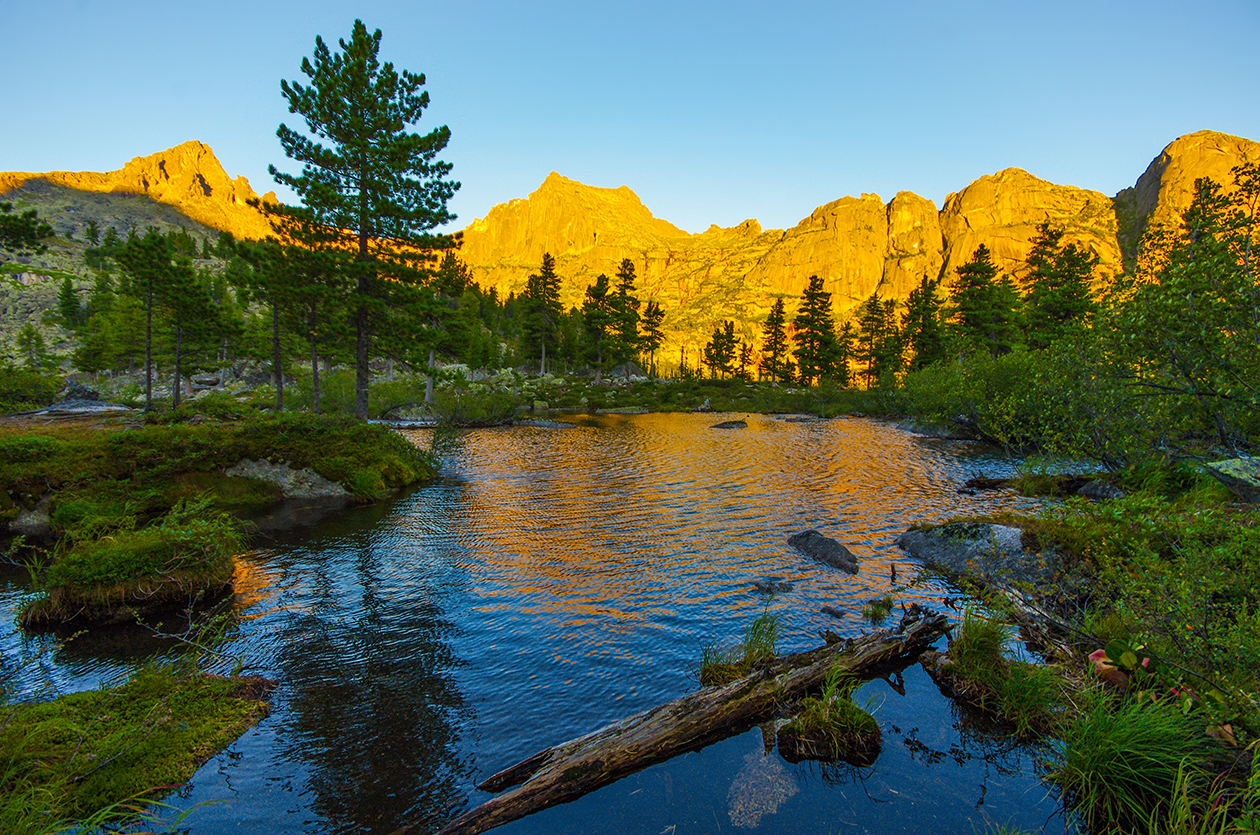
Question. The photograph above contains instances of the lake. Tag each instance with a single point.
(557, 578)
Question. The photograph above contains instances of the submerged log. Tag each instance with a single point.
(568, 771)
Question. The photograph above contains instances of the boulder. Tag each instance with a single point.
(1240, 475)
(995, 553)
(731, 424)
(1099, 489)
(36, 522)
(294, 484)
(75, 390)
(824, 549)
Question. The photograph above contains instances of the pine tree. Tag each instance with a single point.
(774, 346)
(720, 350)
(923, 325)
(541, 303)
(93, 232)
(380, 183)
(986, 308)
(653, 318)
(625, 306)
(815, 334)
(68, 309)
(597, 320)
(1058, 287)
(31, 347)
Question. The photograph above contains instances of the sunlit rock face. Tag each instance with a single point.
(858, 245)
(1003, 210)
(188, 177)
(1166, 189)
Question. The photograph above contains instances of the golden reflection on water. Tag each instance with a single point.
(623, 524)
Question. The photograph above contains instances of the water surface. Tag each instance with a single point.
(557, 579)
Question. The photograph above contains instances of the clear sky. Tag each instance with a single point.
(712, 112)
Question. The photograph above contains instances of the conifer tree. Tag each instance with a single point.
(625, 307)
(382, 184)
(815, 334)
(653, 317)
(986, 308)
(923, 324)
(720, 350)
(597, 319)
(1058, 287)
(774, 346)
(541, 303)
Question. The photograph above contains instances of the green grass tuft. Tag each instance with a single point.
(722, 665)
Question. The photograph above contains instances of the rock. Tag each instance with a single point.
(1099, 489)
(205, 381)
(760, 787)
(772, 585)
(540, 406)
(730, 424)
(824, 549)
(1166, 189)
(35, 523)
(1002, 211)
(76, 390)
(294, 484)
(833, 611)
(993, 552)
(704, 407)
(1240, 475)
(188, 177)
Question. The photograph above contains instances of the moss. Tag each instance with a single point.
(110, 570)
(68, 759)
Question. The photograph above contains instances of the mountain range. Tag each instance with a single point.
(858, 245)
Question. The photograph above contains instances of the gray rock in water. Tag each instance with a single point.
(731, 424)
(294, 484)
(824, 549)
(772, 585)
(1240, 475)
(1098, 489)
(994, 552)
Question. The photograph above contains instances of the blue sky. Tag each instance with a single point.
(711, 112)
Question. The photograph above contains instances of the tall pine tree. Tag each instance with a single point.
(381, 183)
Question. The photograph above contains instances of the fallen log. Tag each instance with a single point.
(568, 771)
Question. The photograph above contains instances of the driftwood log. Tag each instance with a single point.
(568, 771)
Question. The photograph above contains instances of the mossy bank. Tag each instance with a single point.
(145, 513)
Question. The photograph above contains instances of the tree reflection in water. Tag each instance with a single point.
(372, 707)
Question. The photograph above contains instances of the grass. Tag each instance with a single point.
(1028, 696)
(831, 727)
(1119, 763)
(876, 609)
(722, 665)
(105, 755)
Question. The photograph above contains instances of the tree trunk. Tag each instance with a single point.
(568, 771)
(277, 367)
(542, 365)
(148, 348)
(314, 377)
(362, 374)
(428, 381)
(179, 339)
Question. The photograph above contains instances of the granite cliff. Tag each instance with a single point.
(858, 245)
(188, 177)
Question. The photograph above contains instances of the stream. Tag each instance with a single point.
(555, 579)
